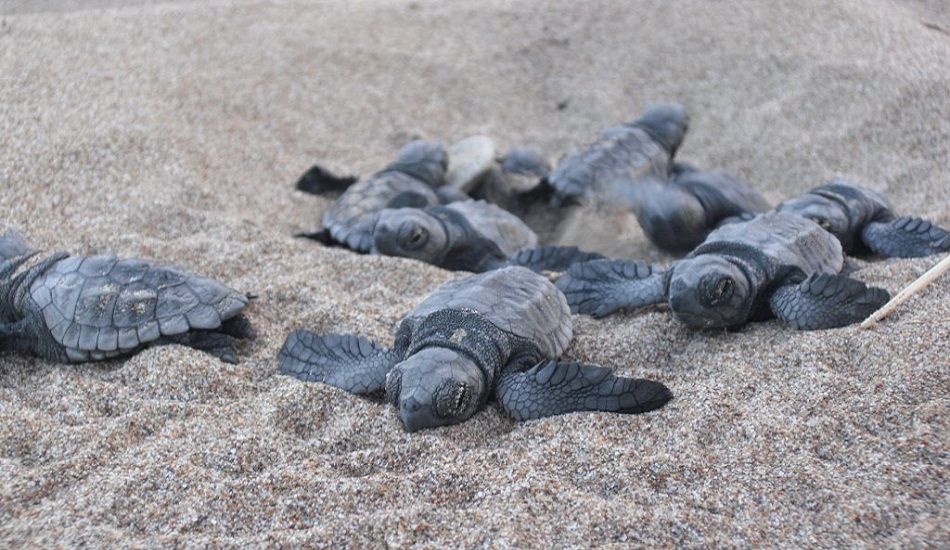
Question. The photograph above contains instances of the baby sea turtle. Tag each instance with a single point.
(863, 220)
(678, 214)
(774, 264)
(606, 171)
(467, 236)
(76, 308)
(512, 181)
(413, 180)
(496, 334)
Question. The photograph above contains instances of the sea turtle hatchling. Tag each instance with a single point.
(773, 264)
(496, 334)
(863, 220)
(412, 180)
(512, 181)
(467, 236)
(75, 308)
(606, 171)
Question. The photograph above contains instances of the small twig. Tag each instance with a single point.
(909, 291)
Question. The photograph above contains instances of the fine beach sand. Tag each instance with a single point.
(174, 130)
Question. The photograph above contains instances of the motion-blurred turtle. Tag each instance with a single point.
(75, 308)
(491, 335)
(607, 170)
(775, 264)
(677, 214)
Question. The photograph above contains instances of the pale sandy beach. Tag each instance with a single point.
(175, 130)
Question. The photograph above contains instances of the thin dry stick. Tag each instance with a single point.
(909, 291)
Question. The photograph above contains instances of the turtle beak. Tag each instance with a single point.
(412, 415)
(416, 415)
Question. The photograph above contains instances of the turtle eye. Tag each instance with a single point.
(724, 286)
(824, 223)
(723, 290)
(414, 235)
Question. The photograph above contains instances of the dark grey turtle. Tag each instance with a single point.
(605, 171)
(517, 183)
(863, 220)
(412, 180)
(774, 264)
(74, 308)
(678, 214)
(495, 334)
(467, 236)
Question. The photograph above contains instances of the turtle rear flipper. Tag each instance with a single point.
(13, 244)
(905, 237)
(215, 343)
(826, 301)
(346, 361)
(448, 195)
(218, 342)
(322, 236)
(551, 388)
(320, 181)
(738, 218)
(551, 258)
(409, 199)
(600, 287)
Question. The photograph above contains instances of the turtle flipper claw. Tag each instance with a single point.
(825, 301)
(906, 237)
(551, 388)
(345, 361)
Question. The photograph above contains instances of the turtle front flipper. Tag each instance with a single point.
(826, 301)
(905, 238)
(320, 181)
(551, 258)
(600, 287)
(345, 361)
(551, 388)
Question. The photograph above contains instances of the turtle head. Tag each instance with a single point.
(710, 292)
(409, 233)
(424, 160)
(526, 162)
(435, 387)
(667, 123)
